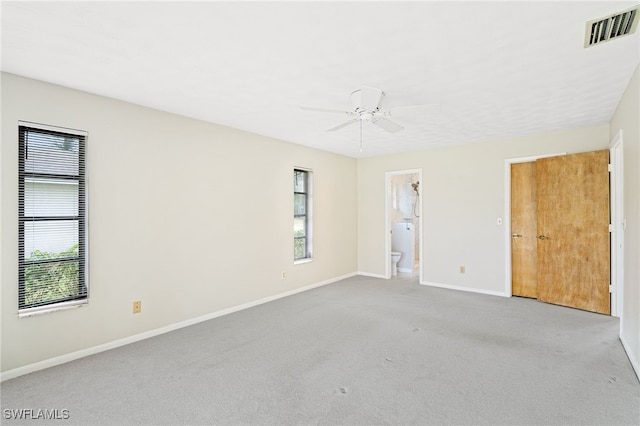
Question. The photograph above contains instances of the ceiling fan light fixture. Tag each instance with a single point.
(366, 116)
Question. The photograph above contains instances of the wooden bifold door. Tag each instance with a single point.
(560, 230)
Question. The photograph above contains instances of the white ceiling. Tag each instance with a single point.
(498, 69)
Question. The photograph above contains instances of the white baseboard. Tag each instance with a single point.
(51, 362)
(368, 274)
(469, 289)
(635, 363)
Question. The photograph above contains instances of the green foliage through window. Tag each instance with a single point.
(48, 280)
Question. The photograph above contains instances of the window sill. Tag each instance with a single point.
(29, 312)
(301, 261)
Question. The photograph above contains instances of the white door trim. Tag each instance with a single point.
(387, 219)
(616, 179)
(507, 214)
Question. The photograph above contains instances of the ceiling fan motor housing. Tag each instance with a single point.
(366, 99)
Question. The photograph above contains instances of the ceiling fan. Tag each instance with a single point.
(367, 107)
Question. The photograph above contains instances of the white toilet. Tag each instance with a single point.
(395, 257)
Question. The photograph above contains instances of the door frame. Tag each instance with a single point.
(387, 219)
(616, 179)
(507, 214)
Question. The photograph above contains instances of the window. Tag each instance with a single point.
(52, 245)
(301, 214)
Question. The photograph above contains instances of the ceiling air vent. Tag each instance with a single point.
(611, 27)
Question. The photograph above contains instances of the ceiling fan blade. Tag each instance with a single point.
(412, 110)
(332, 110)
(370, 98)
(387, 125)
(345, 124)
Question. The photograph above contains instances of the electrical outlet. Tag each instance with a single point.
(284, 275)
(462, 270)
(137, 307)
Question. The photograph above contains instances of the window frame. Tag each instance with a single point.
(80, 179)
(308, 218)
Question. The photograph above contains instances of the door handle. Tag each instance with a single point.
(516, 236)
(542, 237)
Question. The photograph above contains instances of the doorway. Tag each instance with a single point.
(560, 230)
(403, 218)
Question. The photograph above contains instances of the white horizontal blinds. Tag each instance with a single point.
(52, 217)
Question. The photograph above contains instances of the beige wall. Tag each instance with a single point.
(627, 118)
(462, 196)
(188, 217)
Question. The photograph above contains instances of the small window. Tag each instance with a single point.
(301, 214)
(52, 244)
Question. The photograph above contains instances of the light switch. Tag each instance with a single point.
(499, 221)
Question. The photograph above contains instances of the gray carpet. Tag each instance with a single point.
(362, 351)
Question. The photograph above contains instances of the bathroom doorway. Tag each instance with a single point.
(403, 218)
